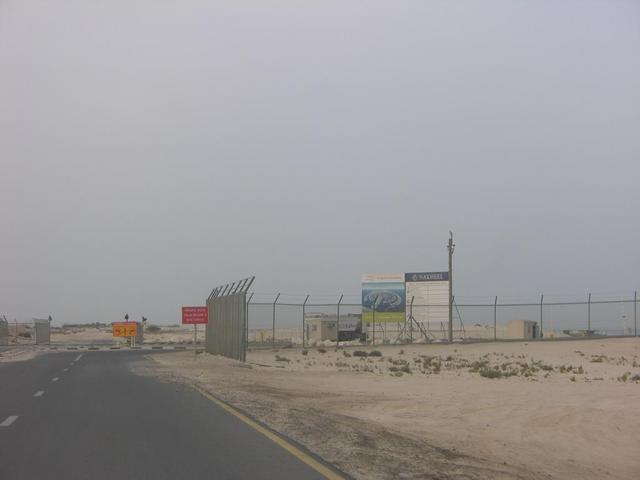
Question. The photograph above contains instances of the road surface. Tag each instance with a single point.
(85, 415)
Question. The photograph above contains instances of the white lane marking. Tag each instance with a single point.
(78, 358)
(66, 370)
(9, 420)
(71, 364)
(39, 393)
(55, 379)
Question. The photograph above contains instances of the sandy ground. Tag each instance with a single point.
(17, 354)
(167, 335)
(565, 410)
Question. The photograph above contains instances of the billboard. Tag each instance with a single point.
(124, 329)
(430, 294)
(195, 315)
(387, 293)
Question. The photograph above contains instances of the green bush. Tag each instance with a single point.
(478, 365)
(403, 368)
(152, 329)
(490, 373)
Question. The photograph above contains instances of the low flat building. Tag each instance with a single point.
(524, 329)
(320, 327)
(4, 333)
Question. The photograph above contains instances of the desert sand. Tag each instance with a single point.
(17, 355)
(85, 335)
(565, 409)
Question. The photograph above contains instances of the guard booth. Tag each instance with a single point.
(4, 333)
(139, 333)
(43, 332)
(523, 329)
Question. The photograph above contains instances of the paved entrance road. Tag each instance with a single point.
(97, 420)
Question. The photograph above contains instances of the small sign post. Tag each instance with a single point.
(195, 316)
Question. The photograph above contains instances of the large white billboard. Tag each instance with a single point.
(430, 294)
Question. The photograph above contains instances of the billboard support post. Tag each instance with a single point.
(451, 246)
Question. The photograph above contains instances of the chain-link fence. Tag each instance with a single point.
(286, 320)
(14, 334)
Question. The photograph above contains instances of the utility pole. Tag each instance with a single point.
(451, 246)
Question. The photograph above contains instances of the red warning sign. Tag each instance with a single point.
(195, 315)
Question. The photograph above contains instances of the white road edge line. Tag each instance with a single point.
(9, 420)
(39, 393)
(55, 379)
(66, 370)
(78, 358)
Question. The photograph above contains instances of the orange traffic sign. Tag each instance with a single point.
(124, 329)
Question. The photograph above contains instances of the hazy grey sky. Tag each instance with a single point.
(150, 150)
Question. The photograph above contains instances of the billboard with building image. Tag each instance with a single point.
(387, 293)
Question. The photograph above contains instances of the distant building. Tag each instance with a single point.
(525, 329)
(320, 327)
(4, 333)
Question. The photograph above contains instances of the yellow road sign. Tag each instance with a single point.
(124, 329)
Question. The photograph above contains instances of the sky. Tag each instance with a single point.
(151, 150)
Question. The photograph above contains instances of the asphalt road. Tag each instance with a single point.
(95, 419)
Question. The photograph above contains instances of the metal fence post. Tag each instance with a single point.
(541, 302)
(338, 322)
(304, 311)
(589, 314)
(411, 321)
(273, 333)
(495, 319)
(453, 303)
(246, 323)
(450, 247)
